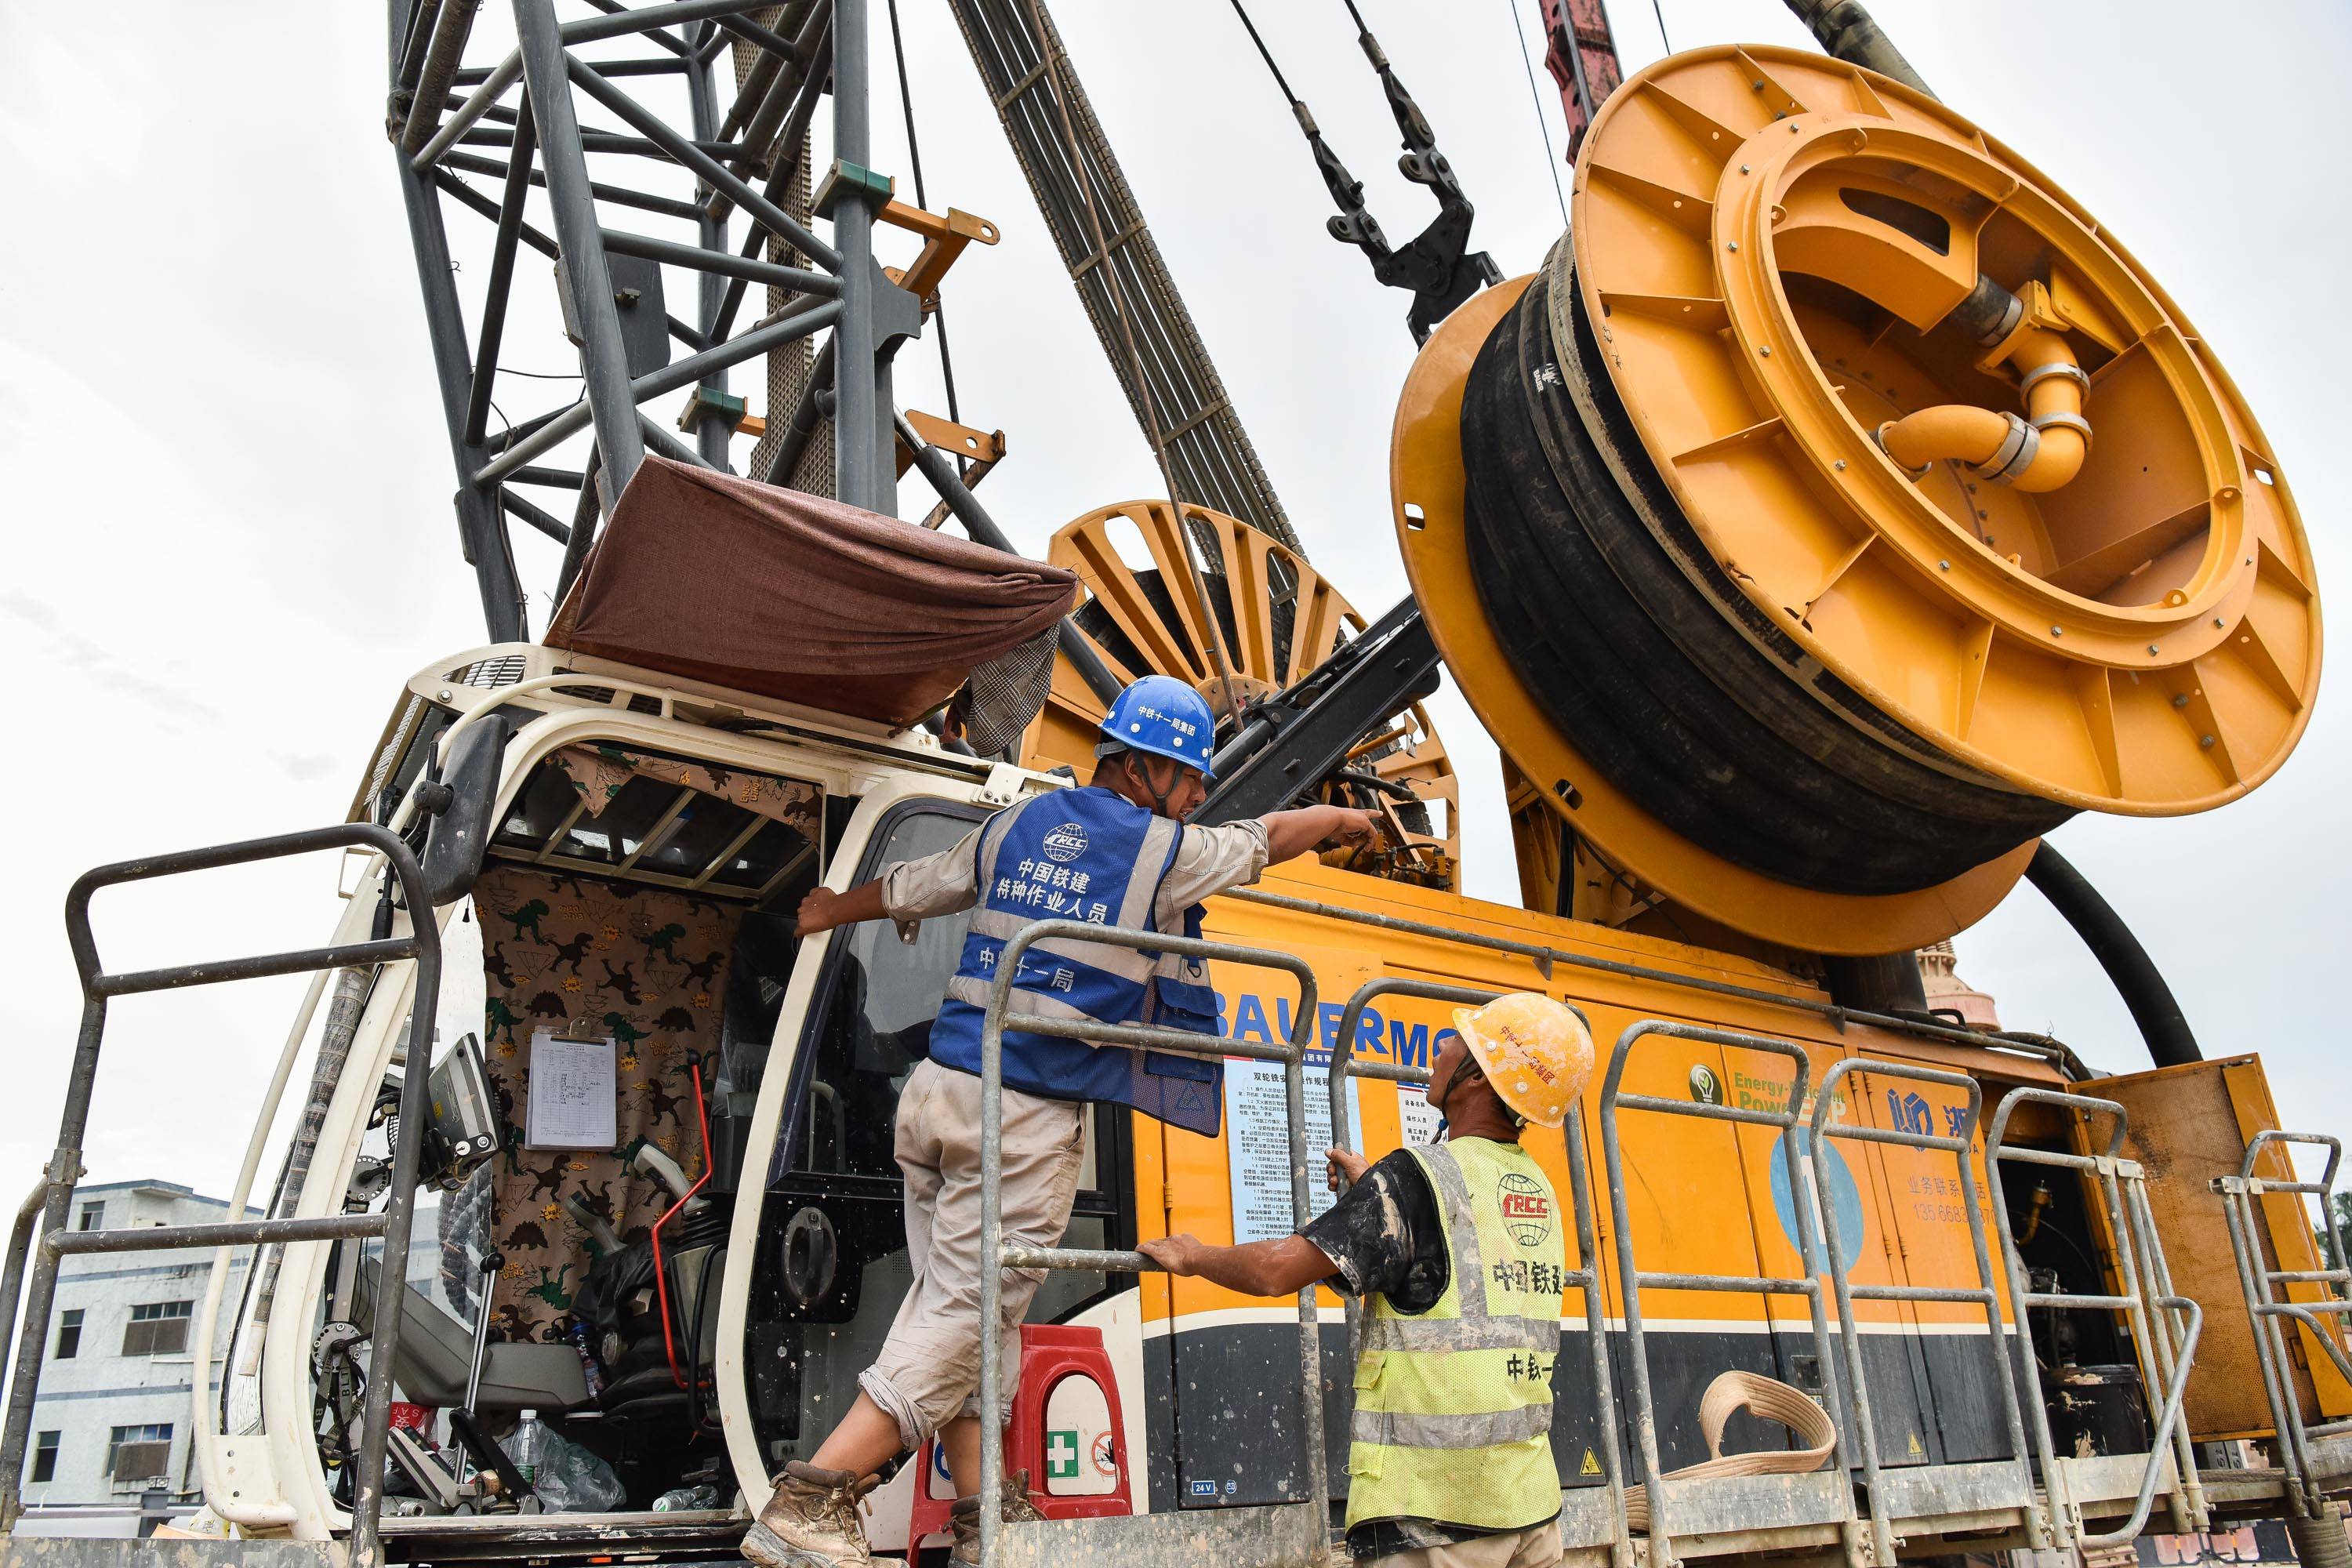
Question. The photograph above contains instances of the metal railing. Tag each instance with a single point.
(1585, 1277)
(1983, 1294)
(1547, 958)
(2270, 1315)
(996, 1257)
(2147, 1281)
(1633, 1278)
(423, 945)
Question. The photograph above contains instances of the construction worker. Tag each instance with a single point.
(1114, 853)
(1456, 1251)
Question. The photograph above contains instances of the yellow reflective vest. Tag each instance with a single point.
(1452, 1418)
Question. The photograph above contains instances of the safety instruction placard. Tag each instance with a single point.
(1258, 1144)
(574, 1093)
(1419, 1118)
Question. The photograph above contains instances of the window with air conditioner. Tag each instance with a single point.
(138, 1454)
(45, 1457)
(68, 1335)
(158, 1328)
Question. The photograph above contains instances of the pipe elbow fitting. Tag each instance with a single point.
(1956, 431)
(2037, 452)
(2062, 443)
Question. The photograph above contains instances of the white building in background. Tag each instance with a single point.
(117, 1375)
(111, 1421)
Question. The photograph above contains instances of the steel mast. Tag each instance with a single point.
(735, 177)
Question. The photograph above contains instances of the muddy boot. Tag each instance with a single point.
(964, 1519)
(812, 1521)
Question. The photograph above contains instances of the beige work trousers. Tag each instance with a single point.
(928, 1370)
(1538, 1546)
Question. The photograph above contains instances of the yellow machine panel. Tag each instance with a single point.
(2189, 1126)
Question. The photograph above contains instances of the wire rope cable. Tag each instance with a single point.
(1267, 54)
(915, 159)
(1535, 96)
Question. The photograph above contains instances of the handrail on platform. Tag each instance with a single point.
(2147, 1282)
(423, 945)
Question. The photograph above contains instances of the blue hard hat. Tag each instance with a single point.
(1161, 715)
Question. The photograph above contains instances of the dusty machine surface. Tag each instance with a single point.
(1834, 511)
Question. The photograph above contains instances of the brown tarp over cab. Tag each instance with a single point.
(733, 583)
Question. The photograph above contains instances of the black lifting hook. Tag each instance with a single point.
(1437, 266)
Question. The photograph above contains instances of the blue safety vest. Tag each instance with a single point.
(1085, 854)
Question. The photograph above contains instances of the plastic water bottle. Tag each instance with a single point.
(527, 1447)
(589, 1370)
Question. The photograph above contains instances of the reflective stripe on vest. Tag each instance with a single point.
(1454, 1405)
(1085, 854)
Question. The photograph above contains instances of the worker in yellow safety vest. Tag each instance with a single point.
(1456, 1251)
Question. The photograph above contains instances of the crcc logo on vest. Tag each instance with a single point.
(1527, 1212)
(1067, 843)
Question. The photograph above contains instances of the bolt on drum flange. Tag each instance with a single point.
(1427, 481)
(1776, 254)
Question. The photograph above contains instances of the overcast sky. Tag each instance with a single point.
(228, 480)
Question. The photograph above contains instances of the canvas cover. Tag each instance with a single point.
(725, 581)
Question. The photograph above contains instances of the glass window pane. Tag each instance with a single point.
(611, 836)
(701, 831)
(757, 863)
(547, 798)
(878, 1024)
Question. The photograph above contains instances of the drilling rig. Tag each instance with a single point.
(1832, 513)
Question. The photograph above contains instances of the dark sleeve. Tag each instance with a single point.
(1384, 1237)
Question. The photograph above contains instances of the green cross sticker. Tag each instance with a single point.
(1061, 1456)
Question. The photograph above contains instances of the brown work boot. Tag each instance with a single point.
(812, 1521)
(964, 1519)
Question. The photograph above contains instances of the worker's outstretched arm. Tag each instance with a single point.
(824, 908)
(1292, 833)
(1279, 1267)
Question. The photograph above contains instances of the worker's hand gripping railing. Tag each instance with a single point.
(423, 945)
(2147, 1281)
(2241, 1201)
(996, 1257)
(1586, 1275)
(1634, 1279)
(1983, 1294)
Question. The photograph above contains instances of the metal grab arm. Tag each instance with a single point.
(422, 944)
(994, 1256)
(2140, 1261)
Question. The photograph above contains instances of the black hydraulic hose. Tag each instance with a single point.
(1707, 724)
(2136, 979)
(1848, 32)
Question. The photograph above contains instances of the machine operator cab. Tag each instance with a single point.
(690, 1177)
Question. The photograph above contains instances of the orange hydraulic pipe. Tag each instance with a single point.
(2038, 452)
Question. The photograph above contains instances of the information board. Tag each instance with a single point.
(1257, 1119)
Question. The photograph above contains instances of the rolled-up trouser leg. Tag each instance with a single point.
(928, 1368)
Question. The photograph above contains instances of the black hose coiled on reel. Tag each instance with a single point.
(1688, 698)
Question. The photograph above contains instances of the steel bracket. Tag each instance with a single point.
(848, 179)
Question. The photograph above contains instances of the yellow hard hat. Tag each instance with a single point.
(1536, 1053)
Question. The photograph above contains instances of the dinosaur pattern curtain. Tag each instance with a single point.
(584, 958)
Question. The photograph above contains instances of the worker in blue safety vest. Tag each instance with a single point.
(1115, 853)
